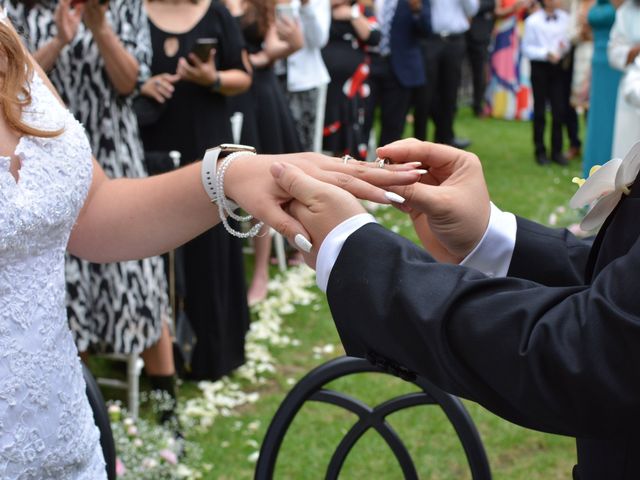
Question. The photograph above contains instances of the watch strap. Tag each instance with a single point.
(209, 170)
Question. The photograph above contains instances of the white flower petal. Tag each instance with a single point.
(601, 182)
(600, 211)
(630, 167)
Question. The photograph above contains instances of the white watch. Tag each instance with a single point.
(209, 167)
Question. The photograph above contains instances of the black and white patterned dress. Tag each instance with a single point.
(118, 306)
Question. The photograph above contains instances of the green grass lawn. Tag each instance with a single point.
(517, 184)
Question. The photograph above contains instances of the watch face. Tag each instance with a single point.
(236, 147)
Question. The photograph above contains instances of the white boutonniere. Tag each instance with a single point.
(605, 186)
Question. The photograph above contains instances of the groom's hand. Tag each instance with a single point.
(318, 206)
(450, 205)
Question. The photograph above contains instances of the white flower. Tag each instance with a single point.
(253, 458)
(606, 186)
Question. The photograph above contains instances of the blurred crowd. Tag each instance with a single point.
(157, 82)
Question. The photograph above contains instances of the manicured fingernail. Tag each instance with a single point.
(394, 197)
(414, 164)
(302, 243)
(421, 171)
(277, 169)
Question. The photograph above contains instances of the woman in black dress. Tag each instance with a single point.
(268, 123)
(194, 117)
(353, 29)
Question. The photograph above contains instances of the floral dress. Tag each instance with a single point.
(509, 93)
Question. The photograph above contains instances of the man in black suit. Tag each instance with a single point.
(396, 67)
(443, 52)
(538, 326)
(478, 38)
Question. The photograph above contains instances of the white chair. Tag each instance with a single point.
(236, 128)
(135, 364)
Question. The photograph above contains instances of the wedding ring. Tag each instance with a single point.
(157, 83)
(381, 162)
(346, 158)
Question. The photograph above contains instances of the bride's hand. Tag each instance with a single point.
(249, 183)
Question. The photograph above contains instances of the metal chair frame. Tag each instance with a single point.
(310, 388)
(101, 417)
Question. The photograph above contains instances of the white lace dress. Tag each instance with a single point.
(47, 429)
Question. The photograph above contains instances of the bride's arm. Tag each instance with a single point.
(133, 218)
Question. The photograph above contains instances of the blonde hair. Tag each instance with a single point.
(15, 94)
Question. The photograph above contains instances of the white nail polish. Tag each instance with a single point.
(302, 243)
(394, 197)
(421, 171)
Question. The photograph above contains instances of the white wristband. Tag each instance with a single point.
(209, 168)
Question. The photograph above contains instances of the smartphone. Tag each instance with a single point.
(285, 10)
(202, 48)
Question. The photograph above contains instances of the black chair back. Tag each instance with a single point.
(101, 417)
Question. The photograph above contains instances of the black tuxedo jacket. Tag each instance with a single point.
(406, 30)
(554, 346)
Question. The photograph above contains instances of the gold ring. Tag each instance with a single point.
(346, 158)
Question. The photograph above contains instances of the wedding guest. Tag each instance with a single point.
(582, 40)
(477, 40)
(624, 46)
(268, 123)
(443, 52)
(95, 55)
(509, 93)
(571, 121)
(535, 325)
(305, 76)
(396, 65)
(55, 197)
(353, 29)
(545, 44)
(195, 114)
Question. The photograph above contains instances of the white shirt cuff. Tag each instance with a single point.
(332, 245)
(492, 256)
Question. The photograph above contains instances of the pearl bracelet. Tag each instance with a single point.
(224, 204)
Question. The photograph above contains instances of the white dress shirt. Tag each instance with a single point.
(452, 16)
(543, 36)
(492, 255)
(305, 68)
(631, 88)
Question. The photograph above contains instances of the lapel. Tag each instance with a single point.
(619, 232)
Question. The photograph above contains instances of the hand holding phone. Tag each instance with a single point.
(198, 67)
(203, 47)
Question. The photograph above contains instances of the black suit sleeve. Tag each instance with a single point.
(553, 257)
(549, 358)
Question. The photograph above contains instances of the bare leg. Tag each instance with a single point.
(258, 288)
(160, 368)
(158, 358)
